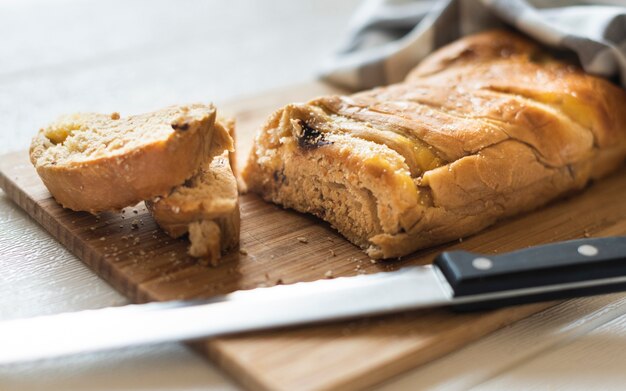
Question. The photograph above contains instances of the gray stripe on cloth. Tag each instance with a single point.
(615, 31)
(447, 26)
(586, 49)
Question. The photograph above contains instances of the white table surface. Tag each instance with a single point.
(71, 55)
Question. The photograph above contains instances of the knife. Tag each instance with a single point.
(458, 279)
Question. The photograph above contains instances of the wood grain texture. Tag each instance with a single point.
(129, 251)
(577, 365)
(526, 340)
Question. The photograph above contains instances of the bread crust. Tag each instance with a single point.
(207, 205)
(487, 127)
(112, 181)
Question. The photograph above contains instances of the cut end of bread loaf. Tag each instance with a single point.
(206, 206)
(309, 160)
(488, 128)
(81, 157)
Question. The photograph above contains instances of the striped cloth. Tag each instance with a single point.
(387, 38)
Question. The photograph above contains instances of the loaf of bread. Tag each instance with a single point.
(205, 206)
(487, 127)
(97, 162)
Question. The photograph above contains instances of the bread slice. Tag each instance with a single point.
(206, 206)
(98, 162)
(488, 127)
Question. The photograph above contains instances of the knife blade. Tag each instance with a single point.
(460, 279)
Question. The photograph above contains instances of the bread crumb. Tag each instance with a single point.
(243, 251)
(373, 261)
(328, 274)
(115, 116)
(92, 228)
(302, 239)
(332, 252)
(102, 238)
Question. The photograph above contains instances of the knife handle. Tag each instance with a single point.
(538, 271)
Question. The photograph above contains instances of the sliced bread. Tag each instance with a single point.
(97, 162)
(206, 206)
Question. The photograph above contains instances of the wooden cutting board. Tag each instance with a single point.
(134, 256)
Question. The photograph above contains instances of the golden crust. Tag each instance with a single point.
(487, 127)
(206, 206)
(106, 162)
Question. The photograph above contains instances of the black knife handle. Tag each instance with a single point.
(536, 267)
